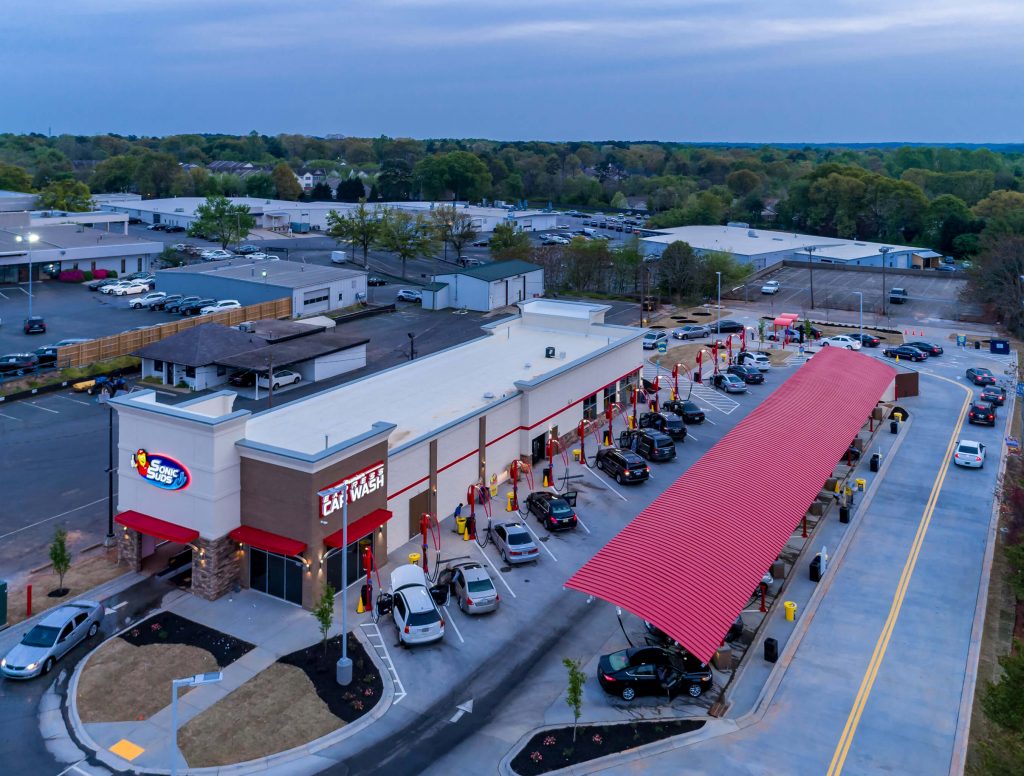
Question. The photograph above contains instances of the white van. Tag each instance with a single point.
(338, 257)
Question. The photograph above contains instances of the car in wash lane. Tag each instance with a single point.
(969, 454)
(689, 411)
(979, 375)
(994, 395)
(982, 414)
(751, 375)
(665, 422)
(471, 586)
(624, 466)
(753, 358)
(415, 613)
(928, 347)
(653, 671)
(56, 634)
(905, 351)
(648, 444)
(515, 543)
(553, 511)
(729, 383)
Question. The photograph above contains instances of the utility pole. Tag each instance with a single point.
(270, 382)
(412, 345)
(884, 250)
(810, 268)
(718, 322)
(109, 539)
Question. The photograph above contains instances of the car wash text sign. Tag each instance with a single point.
(360, 484)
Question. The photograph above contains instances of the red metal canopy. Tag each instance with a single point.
(265, 540)
(691, 560)
(154, 526)
(358, 529)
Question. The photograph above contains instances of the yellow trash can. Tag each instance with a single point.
(861, 483)
(508, 504)
(897, 416)
(414, 558)
(576, 454)
(460, 525)
(494, 490)
(790, 607)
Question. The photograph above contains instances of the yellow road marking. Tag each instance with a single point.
(860, 701)
(126, 749)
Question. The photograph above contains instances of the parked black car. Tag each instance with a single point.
(624, 465)
(373, 280)
(47, 356)
(665, 422)
(193, 308)
(175, 228)
(652, 671)
(725, 326)
(867, 340)
(751, 375)
(555, 512)
(162, 304)
(993, 395)
(926, 347)
(35, 325)
(649, 444)
(18, 363)
(243, 379)
(687, 410)
(905, 351)
(174, 307)
(979, 375)
(982, 414)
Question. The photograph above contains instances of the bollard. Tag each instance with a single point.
(28, 603)
(844, 514)
(790, 607)
(771, 650)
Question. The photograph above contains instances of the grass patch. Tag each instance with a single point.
(277, 709)
(82, 577)
(170, 628)
(69, 374)
(123, 682)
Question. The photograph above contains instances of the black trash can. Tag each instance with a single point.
(977, 345)
(816, 569)
(844, 514)
(771, 650)
(894, 427)
(876, 460)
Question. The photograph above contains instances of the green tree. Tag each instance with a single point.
(995, 278)
(404, 235)
(586, 262)
(260, 185)
(574, 692)
(1000, 204)
(680, 272)
(509, 243)
(222, 221)
(452, 225)
(350, 190)
(358, 227)
(395, 180)
(286, 185)
(619, 201)
(321, 193)
(459, 173)
(1003, 701)
(60, 556)
(324, 614)
(742, 182)
(14, 178)
(73, 196)
(155, 174)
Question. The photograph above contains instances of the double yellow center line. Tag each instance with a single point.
(843, 747)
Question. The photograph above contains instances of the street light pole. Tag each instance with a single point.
(343, 668)
(810, 269)
(109, 540)
(861, 326)
(884, 250)
(718, 322)
(31, 238)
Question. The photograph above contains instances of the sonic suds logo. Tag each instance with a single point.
(162, 471)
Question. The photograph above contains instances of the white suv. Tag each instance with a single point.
(416, 615)
(223, 304)
(841, 341)
(147, 300)
(771, 287)
(281, 378)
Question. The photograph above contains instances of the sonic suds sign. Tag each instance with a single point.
(161, 470)
(360, 484)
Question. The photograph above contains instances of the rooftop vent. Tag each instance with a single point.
(488, 396)
(751, 233)
(549, 352)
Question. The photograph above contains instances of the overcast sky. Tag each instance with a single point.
(688, 70)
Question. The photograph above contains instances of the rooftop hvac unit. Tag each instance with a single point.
(179, 210)
(751, 233)
(247, 326)
(549, 352)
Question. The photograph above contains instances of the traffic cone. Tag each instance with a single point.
(465, 534)
(359, 606)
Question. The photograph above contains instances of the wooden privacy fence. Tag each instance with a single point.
(127, 342)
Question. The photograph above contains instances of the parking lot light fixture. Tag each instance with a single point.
(810, 268)
(860, 326)
(884, 250)
(718, 323)
(31, 238)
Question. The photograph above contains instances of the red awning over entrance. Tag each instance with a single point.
(360, 527)
(154, 526)
(691, 560)
(265, 540)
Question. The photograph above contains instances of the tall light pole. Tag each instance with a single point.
(31, 238)
(108, 541)
(810, 268)
(343, 668)
(861, 326)
(718, 322)
(884, 250)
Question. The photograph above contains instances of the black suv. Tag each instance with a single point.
(982, 414)
(193, 308)
(35, 325)
(994, 395)
(689, 411)
(166, 302)
(649, 444)
(751, 375)
(624, 465)
(666, 423)
(555, 512)
(18, 363)
(173, 307)
(979, 375)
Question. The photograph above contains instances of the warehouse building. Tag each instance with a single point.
(762, 247)
(313, 288)
(256, 496)
(485, 288)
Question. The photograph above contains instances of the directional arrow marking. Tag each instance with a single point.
(463, 708)
(113, 610)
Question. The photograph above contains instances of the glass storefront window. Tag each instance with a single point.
(355, 562)
(275, 575)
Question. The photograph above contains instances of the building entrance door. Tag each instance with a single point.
(418, 505)
(275, 575)
(537, 447)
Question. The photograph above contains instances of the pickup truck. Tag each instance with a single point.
(898, 295)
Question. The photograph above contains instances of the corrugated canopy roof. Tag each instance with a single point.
(689, 562)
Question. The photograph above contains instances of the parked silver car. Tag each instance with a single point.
(56, 634)
(691, 331)
(515, 543)
(472, 587)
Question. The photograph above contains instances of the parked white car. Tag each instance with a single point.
(110, 289)
(408, 295)
(223, 304)
(970, 454)
(750, 358)
(771, 287)
(281, 378)
(416, 615)
(134, 287)
(216, 254)
(147, 300)
(840, 341)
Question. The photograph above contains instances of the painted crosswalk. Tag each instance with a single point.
(376, 640)
(697, 392)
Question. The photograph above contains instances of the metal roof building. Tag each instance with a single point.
(486, 288)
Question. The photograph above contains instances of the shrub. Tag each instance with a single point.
(111, 273)
(87, 276)
(99, 274)
(71, 276)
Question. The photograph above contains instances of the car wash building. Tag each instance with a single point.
(256, 497)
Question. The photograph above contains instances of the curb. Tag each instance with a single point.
(248, 766)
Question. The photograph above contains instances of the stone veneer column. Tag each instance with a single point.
(129, 549)
(215, 567)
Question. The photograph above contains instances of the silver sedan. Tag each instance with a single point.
(56, 634)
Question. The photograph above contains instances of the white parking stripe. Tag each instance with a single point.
(76, 401)
(494, 567)
(709, 420)
(691, 436)
(9, 417)
(44, 409)
(540, 544)
(451, 621)
(578, 520)
(613, 490)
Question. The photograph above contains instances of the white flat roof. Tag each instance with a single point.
(423, 395)
(751, 242)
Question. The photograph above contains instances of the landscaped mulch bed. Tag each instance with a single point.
(550, 750)
(347, 703)
(169, 628)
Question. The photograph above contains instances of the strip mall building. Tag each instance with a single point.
(249, 492)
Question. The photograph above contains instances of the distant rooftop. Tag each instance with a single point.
(497, 270)
(288, 274)
(71, 236)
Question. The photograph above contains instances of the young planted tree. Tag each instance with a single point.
(574, 693)
(60, 557)
(404, 235)
(359, 227)
(453, 226)
(219, 220)
(324, 614)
